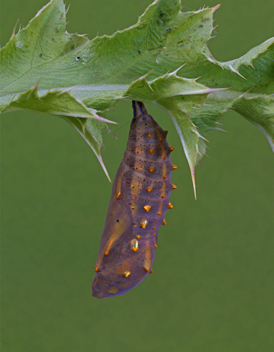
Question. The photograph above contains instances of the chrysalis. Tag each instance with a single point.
(139, 199)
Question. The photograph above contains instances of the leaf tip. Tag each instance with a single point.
(100, 118)
(237, 72)
(193, 182)
(215, 8)
(103, 166)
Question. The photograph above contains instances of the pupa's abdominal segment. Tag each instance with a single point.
(139, 199)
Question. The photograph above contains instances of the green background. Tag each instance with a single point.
(213, 283)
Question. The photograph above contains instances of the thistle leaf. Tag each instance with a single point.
(163, 59)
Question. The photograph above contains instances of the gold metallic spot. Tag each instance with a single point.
(154, 234)
(159, 213)
(151, 271)
(126, 273)
(113, 290)
(173, 187)
(171, 149)
(118, 195)
(170, 206)
(143, 223)
(174, 167)
(106, 253)
(147, 208)
(163, 195)
(146, 269)
(138, 237)
(160, 140)
(166, 132)
(164, 222)
(164, 176)
(149, 189)
(156, 245)
(154, 227)
(164, 157)
(149, 135)
(96, 269)
(134, 245)
(151, 151)
(151, 170)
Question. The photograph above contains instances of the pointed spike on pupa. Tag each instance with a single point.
(138, 108)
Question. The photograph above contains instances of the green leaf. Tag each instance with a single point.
(163, 59)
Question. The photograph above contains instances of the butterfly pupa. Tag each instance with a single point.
(139, 199)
